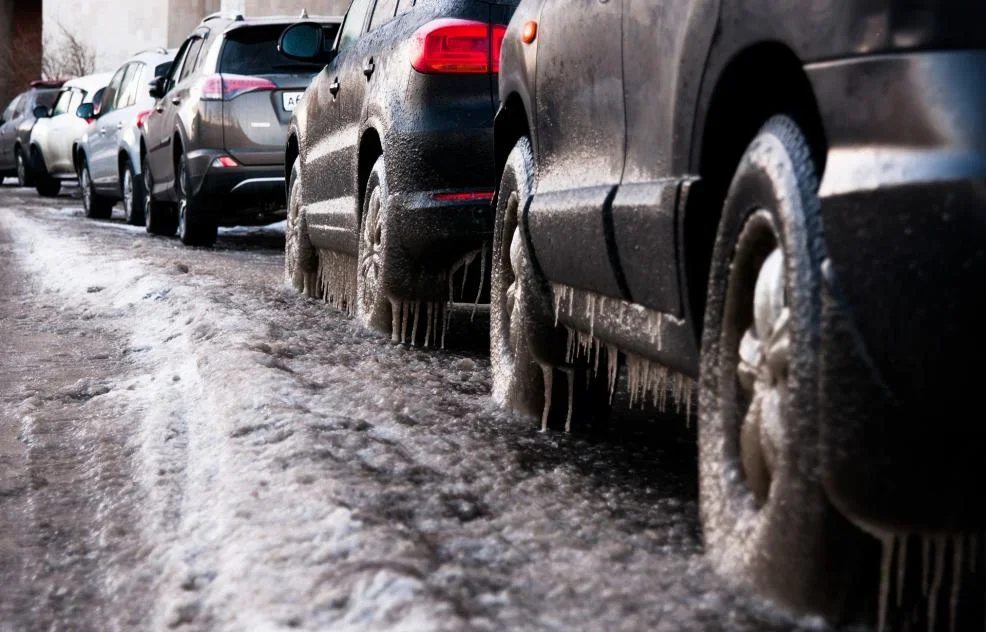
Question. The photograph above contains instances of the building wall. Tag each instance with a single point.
(20, 46)
(114, 30)
(7, 90)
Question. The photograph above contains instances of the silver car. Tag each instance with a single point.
(107, 156)
(57, 131)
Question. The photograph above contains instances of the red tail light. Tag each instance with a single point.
(226, 87)
(469, 196)
(457, 47)
(142, 118)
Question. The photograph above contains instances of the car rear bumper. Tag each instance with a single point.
(236, 192)
(904, 212)
(428, 238)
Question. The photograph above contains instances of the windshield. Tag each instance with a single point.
(253, 51)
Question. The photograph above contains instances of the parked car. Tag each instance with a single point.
(777, 205)
(16, 123)
(390, 158)
(215, 145)
(57, 131)
(107, 156)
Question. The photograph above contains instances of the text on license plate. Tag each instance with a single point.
(291, 100)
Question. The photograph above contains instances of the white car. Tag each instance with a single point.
(108, 156)
(58, 130)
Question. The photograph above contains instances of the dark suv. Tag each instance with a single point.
(215, 140)
(16, 123)
(390, 159)
(782, 205)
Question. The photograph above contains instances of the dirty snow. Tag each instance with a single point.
(220, 452)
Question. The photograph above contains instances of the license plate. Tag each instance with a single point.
(291, 100)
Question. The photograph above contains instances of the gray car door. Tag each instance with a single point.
(103, 133)
(581, 134)
(161, 125)
(8, 132)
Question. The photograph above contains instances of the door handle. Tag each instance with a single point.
(176, 100)
(334, 88)
(119, 125)
(369, 68)
(159, 109)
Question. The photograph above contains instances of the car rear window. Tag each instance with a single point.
(253, 51)
(45, 98)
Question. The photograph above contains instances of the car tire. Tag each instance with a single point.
(373, 308)
(768, 524)
(159, 218)
(518, 380)
(132, 195)
(94, 205)
(193, 230)
(24, 176)
(45, 185)
(300, 257)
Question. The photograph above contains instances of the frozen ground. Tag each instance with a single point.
(184, 443)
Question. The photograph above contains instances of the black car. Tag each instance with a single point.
(16, 123)
(390, 160)
(783, 207)
(214, 143)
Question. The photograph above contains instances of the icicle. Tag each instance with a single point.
(939, 545)
(548, 374)
(953, 605)
(428, 329)
(886, 561)
(558, 294)
(482, 282)
(415, 308)
(925, 564)
(901, 569)
(570, 375)
(395, 320)
(404, 317)
(571, 297)
(660, 331)
(612, 369)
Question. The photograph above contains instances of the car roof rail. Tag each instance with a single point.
(160, 50)
(219, 15)
(47, 83)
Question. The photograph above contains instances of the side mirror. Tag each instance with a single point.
(86, 111)
(157, 87)
(41, 112)
(302, 41)
(162, 70)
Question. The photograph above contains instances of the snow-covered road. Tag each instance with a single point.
(186, 443)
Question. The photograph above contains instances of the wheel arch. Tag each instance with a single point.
(511, 124)
(760, 81)
(370, 149)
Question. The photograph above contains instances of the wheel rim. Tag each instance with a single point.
(758, 349)
(21, 170)
(86, 189)
(128, 193)
(182, 200)
(372, 247)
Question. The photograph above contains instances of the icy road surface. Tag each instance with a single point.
(185, 443)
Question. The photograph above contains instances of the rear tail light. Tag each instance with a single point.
(226, 87)
(457, 47)
(468, 196)
(142, 118)
(225, 162)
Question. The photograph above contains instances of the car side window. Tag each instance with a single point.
(109, 101)
(176, 67)
(383, 12)
(8, 114)
(191, 59)
(77, 97)
(21, 106)
(63, 103)
(404, 6)
(352, 28)
(128, 94)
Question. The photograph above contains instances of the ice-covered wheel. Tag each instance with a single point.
(132, 190)
(44, 184)
(767, 521)
(24, 176)
(373, 307)
(159, 218)
(94, 205)
(518, 380)
(193, 229)
(300, 257)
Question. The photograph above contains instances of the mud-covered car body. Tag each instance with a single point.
(16, 124)
(224, 110)
(433, 130)
(636, 138)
